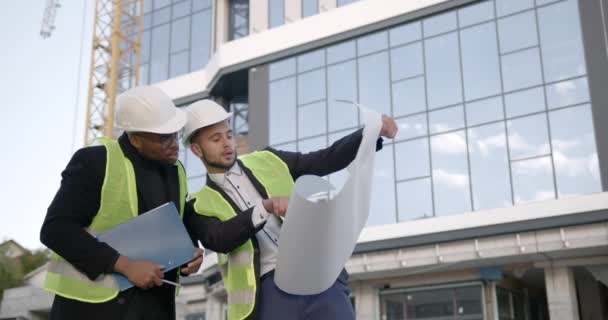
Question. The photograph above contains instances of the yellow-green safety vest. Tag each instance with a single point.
(237, 267)
(118, 204)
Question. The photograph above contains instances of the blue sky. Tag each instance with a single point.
(40, 120)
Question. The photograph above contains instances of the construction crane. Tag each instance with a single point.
(114, 62)
(48, 19)
(115, 55)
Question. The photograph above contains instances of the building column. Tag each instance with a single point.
(213, 309)
(258, 16)
(326, 5)
(561, 293)
(365, 301)
(293, 10)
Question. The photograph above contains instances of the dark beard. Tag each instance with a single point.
(219, 165)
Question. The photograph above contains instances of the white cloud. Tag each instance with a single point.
(452, 180)
(486, 146)
(518, 143)
(452, 143)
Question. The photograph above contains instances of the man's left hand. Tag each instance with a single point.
(195, 264)
(389, 127)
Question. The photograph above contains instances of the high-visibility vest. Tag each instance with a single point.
(237, 267)
(118, 204)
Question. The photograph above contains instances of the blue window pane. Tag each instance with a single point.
(412, 127)
(490, 178)
(409, 96)
(194, 165)
(446, 119)
(161, 16)
(282, 111)
(521, 69)
(159, 68)
(161, 4)
(562, 46)
(483, 111)
(340, 52)
(147, 6)
(145, 46)
(180, 34)
(311, 86)
(406, 61)
(310, 7)
(382, 207)
(314, 144)
(415, 199)
(525, 102)
(517, 32)
(276, 13)
(528, 137)
(196, 183)
(341, 86)
(450, 173)
(291, 147)
(181, 9)
(405, 33)
(443, 71)
(504, 7)
(200, 39)
(374, 82)
(312, 120)
(282, 68)
(200, 4)
(533, 180)
(568, 93)
(144, 70)
(238, 19)
(179, 64)
(372, 43)
(481, 70)
(477, 13)
(311, 60)
(412, 159)
(439, 24)
(146, 21)
(574, 151)
(345, 2)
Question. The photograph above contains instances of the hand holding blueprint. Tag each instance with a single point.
(318, 237)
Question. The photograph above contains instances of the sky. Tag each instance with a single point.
(42, 116)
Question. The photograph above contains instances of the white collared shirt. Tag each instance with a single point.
(239, 188)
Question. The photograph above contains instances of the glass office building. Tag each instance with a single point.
(491, 202)
(491, 199)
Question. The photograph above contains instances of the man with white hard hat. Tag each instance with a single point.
(104, 186)
(243, 203)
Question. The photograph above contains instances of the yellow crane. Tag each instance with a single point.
(114, 62)
(115, 57)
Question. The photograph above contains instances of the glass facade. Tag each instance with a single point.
(238, 19)
(463, 302)
(491, 99)
(175, 38)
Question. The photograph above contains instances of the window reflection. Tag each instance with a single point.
(450, 173)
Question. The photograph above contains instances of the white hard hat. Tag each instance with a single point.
(203, 113)
(148, 109)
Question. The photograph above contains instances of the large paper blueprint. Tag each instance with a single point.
(320, 231)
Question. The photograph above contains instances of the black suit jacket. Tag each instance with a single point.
(73, 209)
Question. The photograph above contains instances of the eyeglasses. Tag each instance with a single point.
(165, 140)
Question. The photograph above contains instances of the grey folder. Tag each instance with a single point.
(157, 236)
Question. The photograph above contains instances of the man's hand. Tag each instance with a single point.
(195, 264)
(276, 205)
(143, 274)
(389, 127)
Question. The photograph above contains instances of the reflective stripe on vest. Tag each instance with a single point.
(118, 203)
(237, 267)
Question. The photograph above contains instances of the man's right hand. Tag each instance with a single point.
(143, 274)
(276, 205)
